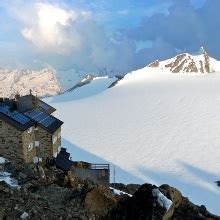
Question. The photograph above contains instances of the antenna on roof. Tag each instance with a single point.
(30, 92)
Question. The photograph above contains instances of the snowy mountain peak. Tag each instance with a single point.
(187, 63)
(43, 82)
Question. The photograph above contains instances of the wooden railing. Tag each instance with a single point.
(99, 166)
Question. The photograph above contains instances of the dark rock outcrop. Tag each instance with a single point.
(86, 80)
(129, 188)
(156, 63)
(119, 78)
(143, 205)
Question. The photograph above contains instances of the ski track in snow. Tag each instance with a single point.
(157, 128)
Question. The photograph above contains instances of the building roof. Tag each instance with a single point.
(23, 120)
(17, 119)
(45, 120)
(42, 105)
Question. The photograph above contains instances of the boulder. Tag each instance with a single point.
(142, 205)
(99, 201)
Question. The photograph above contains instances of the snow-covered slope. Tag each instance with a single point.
(43, 82)
(69, 78)
(187, 63)
(153, 126)
(88, 86)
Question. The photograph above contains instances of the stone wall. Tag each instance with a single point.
(48, 143)
(56, 142)
(14, 143)
(99, 176)
(29, 150)
(44, 137)
(23, 146)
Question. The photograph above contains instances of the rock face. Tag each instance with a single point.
(44, 82)
(170, 204)
(48, 193)
(142, 205)
(100, 201)
(129, 188)
(187, 63)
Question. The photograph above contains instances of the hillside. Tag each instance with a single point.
(46, 192)
(43, 82)
(153, 126)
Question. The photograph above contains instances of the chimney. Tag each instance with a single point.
(17, 96)
(35, 102)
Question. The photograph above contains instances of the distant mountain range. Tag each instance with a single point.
(185, 63)
(43, 82)
(46, 82)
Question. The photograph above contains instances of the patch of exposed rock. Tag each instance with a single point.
(186, 63)
(86, 80)
(119, 78)
(48, 193)
(100, 201)
(145, 205)
(156, 63)
(45, 192)
(129, 188)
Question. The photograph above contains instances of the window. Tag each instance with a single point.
(37, 143)
(29, 130)
(30, 146)
(1, 124)
(37, 159)
(59, 135)
(54, 139)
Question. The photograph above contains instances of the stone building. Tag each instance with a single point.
(28, 130)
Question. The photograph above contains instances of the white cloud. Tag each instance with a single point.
(53, 30)
(68, 37)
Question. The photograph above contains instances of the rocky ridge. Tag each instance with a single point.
(187, 63)
(44, 192)
(86, 80)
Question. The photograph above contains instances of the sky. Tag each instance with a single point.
(111, 35)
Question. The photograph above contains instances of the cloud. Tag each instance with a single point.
(89, 37)
(53, 31)
(184, 28)
(70, 38)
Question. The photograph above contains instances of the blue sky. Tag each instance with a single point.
(91, 35)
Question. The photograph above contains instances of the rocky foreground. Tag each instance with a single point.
(48, 193)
